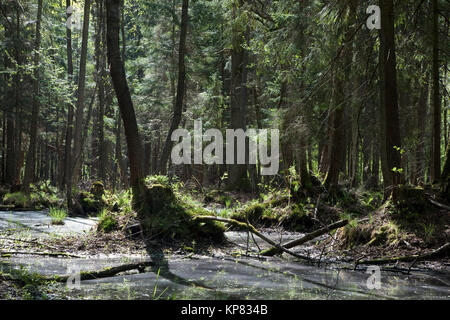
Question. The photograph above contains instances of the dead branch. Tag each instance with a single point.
(439, 205)
(253, 230)
(50, 254)
(105, 273)
(306, 238)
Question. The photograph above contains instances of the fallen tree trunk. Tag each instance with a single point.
(274, 250)
(105, 273)
(252, 229)
(49, 254)
(439, 205)
(412, 258)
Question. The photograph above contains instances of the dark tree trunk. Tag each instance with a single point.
(436, 127)
(392, 172)
(122, 90)
(77, 148)
(181, 86)
(237, 173)
(31, 156)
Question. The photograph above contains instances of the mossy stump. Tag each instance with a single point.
(165, 217)
(409, 199)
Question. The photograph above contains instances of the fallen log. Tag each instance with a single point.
(105, 273)
(252, 229)
(413, 258)
(275, 250)
(50, 254)
(439, 205)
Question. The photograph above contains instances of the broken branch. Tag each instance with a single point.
(306, 238)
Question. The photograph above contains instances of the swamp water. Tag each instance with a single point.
(206, 277)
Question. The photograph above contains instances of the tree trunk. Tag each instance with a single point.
(237, 173)
(393, 173)
(31, 156)
(436, 127)
(122, 90)
(178, 107)
(81, 96)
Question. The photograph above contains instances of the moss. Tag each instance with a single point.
(165, 216)
(388, 233)
(275, 212)
(108, 222)
(18, 199)
(97, 189)
(90, 203)
(354, 234)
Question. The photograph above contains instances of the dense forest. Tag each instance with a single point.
(92, 93)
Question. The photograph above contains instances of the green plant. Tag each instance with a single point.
(107, 221)
(58, 215)
(157, 179)
(428, 231)
(18, 199)
(154, 297)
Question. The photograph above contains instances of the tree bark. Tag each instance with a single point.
(237, 173)
(31, 156)
(388, 76)
(436, 127)
(178, 107)
(122, 90)
(80, 96)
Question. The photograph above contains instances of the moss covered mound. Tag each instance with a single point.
(90, 203)
(276, 212)
(165, 216)
(34, 200)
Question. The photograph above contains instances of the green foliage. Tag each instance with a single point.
(19, 199)
(168, 216)
(108, 222)
(58, 215)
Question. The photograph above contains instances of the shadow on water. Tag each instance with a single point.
(161, 266)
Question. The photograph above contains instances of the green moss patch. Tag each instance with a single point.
(164, 215)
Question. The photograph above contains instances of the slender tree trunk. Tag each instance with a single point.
(436, 101)
(119, 80)
(70, 114)
(393, 175)
(77, 152)
(340, 77)
(237, 173)
(178, 107)
(31, 156)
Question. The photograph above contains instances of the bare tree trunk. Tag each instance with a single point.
(181, 87)
(392, 174)
(119, 80)
(31, 156)
(436, 127)
(237, 173)
(77, 152)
